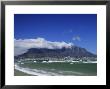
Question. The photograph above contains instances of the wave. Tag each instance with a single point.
(50, 72)
(35, 72)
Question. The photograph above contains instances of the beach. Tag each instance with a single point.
(56, 69)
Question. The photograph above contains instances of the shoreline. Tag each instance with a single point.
(19, 73)
(41, 72)
(35, 72)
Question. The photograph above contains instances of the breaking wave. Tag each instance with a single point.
(36, 72)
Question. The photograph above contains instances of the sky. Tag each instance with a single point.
(79, 29)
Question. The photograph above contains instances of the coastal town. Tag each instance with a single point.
(65, 59)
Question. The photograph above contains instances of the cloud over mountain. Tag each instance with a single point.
(76, 38)
(22, 45)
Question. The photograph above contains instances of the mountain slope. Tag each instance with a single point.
(74, 51)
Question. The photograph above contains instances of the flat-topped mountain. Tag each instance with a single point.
(73, 51)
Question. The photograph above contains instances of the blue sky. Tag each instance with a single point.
(80, 29)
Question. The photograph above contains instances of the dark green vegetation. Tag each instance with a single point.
(64, 68)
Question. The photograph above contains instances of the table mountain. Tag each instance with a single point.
(73, 51)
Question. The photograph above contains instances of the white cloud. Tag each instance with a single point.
(22, 45)
(76, 38)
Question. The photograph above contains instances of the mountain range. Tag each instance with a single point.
(73, 51)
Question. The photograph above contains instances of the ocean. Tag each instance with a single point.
(33, 68)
